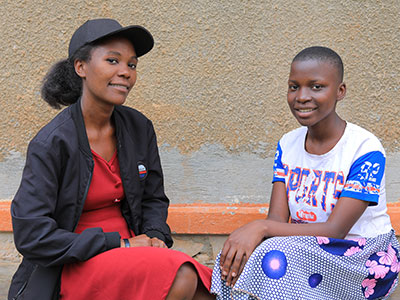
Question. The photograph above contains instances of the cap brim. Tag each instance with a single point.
(139, 36)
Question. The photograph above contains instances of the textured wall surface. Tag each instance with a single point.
(215, 83)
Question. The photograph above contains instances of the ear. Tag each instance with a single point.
(341, 92)
(80, 68)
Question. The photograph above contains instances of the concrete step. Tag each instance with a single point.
(7, 269)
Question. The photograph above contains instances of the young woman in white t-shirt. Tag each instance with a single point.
(327, 235)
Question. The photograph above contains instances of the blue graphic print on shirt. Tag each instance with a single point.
(322, 188)
(365, 177)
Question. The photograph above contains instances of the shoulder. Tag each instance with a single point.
(361, 140)
(60, 127)
(54, 143)
(294, 137)
(131, 118)
(129, 112)
(132, 124)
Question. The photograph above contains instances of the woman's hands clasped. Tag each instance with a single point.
(144, 241)
(238, 248)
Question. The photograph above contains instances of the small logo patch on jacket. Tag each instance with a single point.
(142, 171)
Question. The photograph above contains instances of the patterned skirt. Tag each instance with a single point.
(306, 268)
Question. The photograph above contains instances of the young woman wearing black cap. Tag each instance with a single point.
(93, 185)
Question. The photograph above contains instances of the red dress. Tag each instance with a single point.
(139, 273)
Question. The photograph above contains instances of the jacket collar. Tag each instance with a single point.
(77, 116)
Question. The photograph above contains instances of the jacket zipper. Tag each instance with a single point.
(84, 198)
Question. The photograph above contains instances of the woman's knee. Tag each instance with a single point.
(187, 272)
(185, 283)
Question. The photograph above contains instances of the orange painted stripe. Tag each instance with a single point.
(201, 218)
(394, 213)
(206, 218)
(5, 216)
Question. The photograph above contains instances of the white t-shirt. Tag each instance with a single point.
(354, 168)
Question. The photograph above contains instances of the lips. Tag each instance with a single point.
(305, 110)
(119, 85)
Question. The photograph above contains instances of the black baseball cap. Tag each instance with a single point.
(96, 29)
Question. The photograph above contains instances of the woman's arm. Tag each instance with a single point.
(237, 249)
(345, 214)
(278, 204)
(155, 203)
(37, 233)
(242, 242)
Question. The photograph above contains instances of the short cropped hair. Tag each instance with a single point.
(321, 54)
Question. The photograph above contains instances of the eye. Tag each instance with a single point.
(112, 61)
(132, 66)
(317, 87)
(293, 87)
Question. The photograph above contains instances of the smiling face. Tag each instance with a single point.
(110, 73)
(314, 89)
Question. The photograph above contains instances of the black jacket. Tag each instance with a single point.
(55, 181)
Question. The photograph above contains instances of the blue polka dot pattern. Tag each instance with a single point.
(274, 264)
(314, 280)
(311, 272)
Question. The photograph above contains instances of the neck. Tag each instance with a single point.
(328, 130)
(321, 138)
(96, 115)
(100, 129)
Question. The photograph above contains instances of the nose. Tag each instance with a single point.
(125, 71)
(303, 95)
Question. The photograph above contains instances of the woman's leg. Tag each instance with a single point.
(185, 284)
(202, 293)
(188, 286)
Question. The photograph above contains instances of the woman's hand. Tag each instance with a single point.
(242, 242)
(155, 242)
(143, 240)
(238, 248)
(138, 241)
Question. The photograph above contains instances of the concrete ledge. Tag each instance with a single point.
(204, 218)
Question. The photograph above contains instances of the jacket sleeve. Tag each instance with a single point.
(37, 235)
(155, 203)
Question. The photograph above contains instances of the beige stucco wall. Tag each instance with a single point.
(215, 83)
